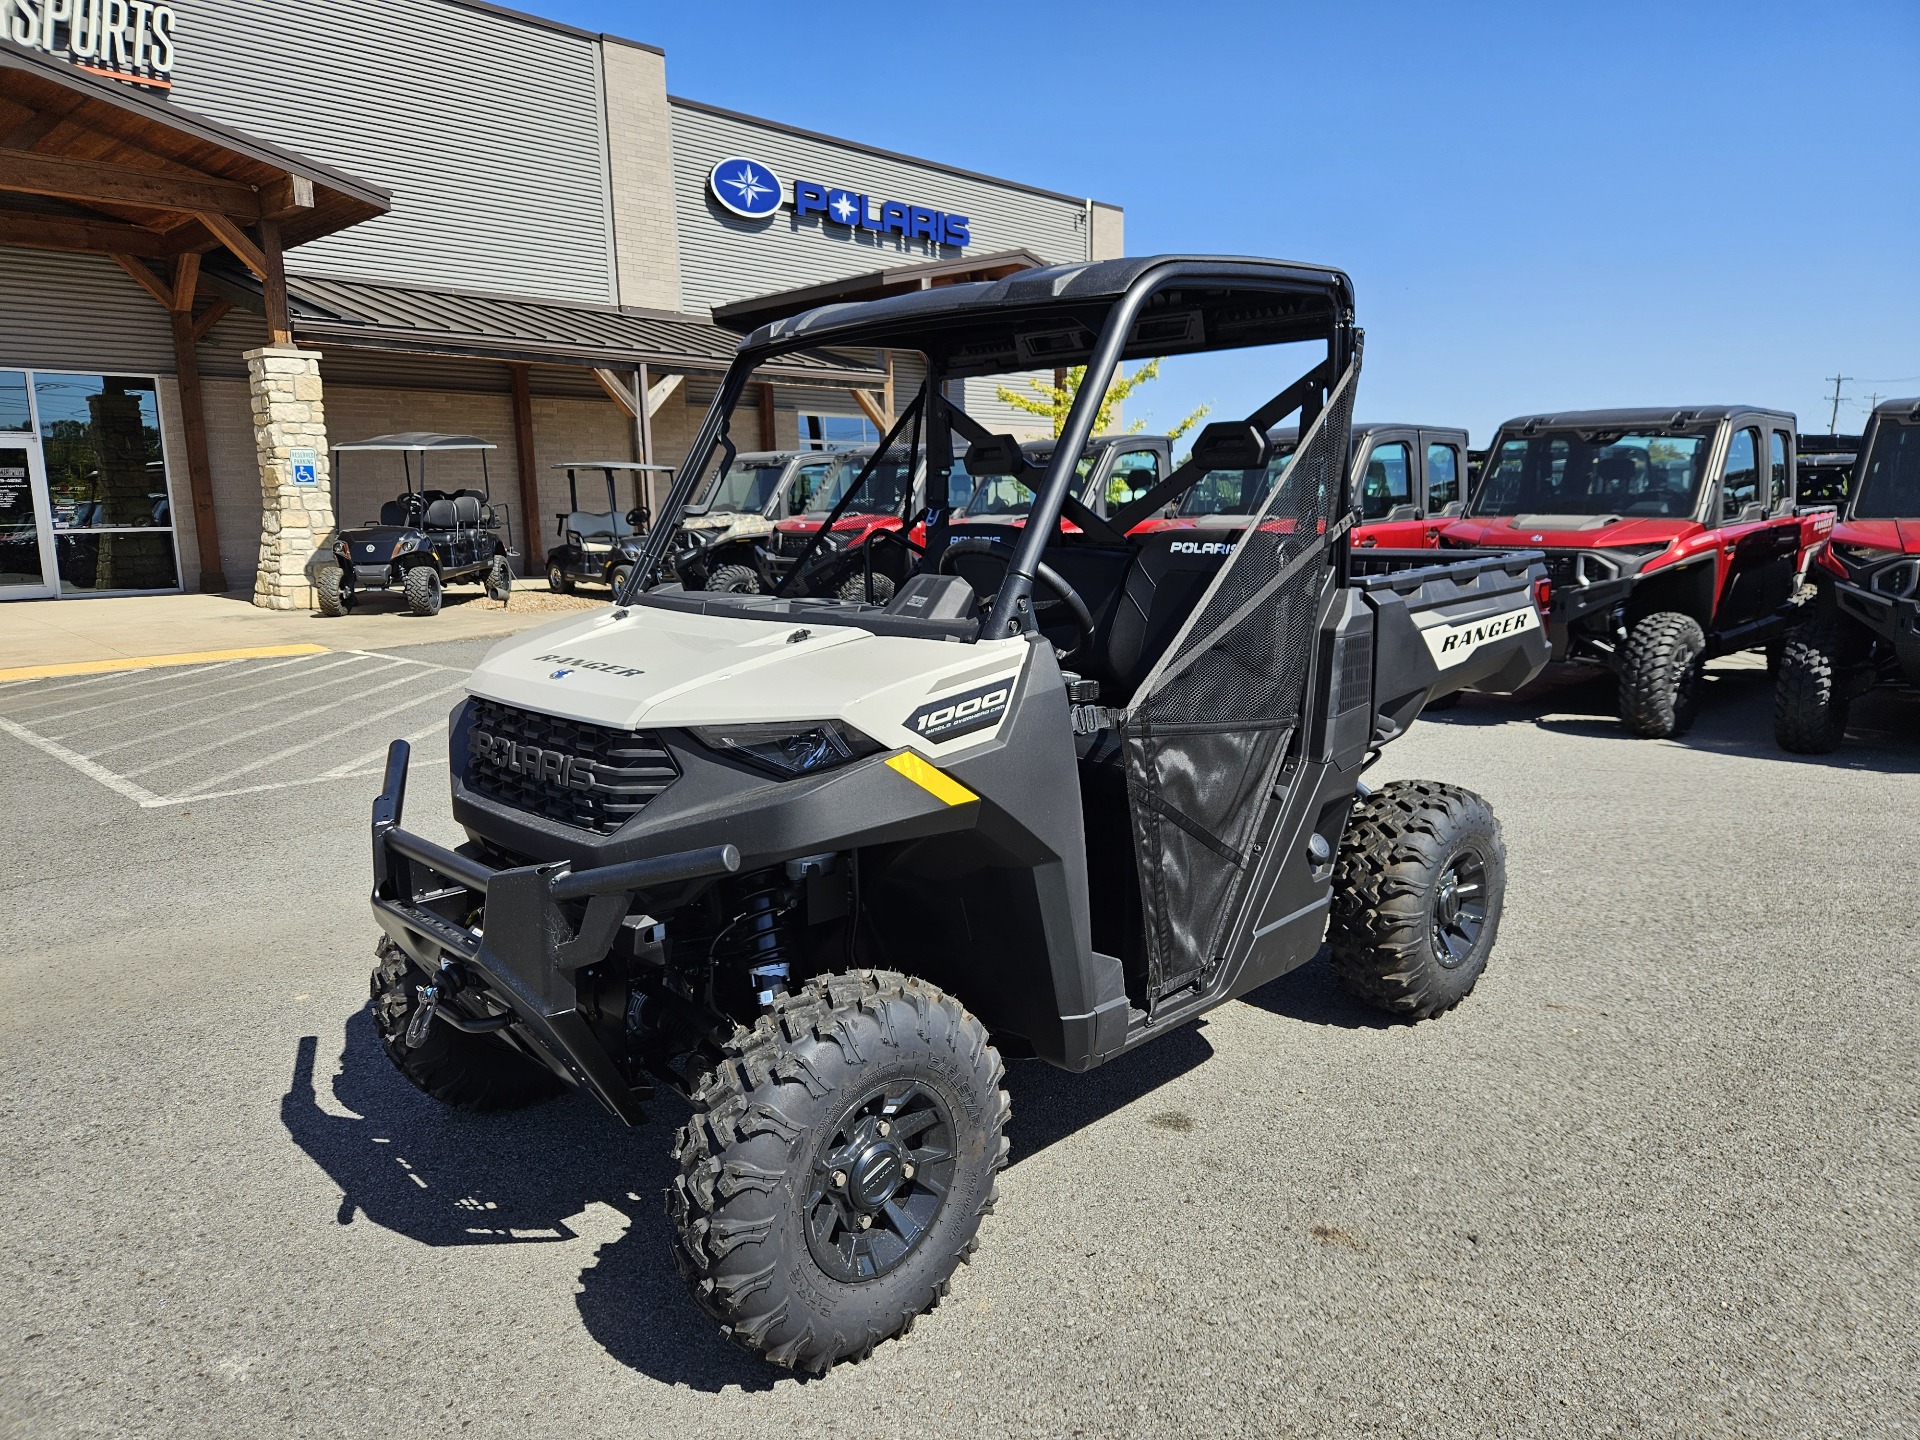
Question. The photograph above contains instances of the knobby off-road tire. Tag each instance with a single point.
(1417, 897)
(468, 1072)
(1810, 694)
(737, 579)
(329, 594)
(500, 580)
(766, 1207)
(1660, 675)
(423, 590)
(855, 588)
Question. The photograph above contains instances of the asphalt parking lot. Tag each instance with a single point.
(1660, 1175)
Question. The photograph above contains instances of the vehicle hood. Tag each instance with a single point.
(1567, 532)
(1900, 535)
(738, 522)
(375, 544)
(807, 524)
(641, 666)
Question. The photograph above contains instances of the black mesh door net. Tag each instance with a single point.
(1209, 728)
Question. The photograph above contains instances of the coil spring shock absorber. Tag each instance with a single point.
(759, 937)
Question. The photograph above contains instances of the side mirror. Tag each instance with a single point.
(1230, 445)
(1404, 512)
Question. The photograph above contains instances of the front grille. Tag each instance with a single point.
(565, 770)
(1562, 569)
(792, 542)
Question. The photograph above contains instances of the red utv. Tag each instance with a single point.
(853, 550)
(1671, 536)
(1863, 628)
(1409, 479)
(1113, 470)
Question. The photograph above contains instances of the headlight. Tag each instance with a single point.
(788, 747)
(837, 539)
(1900, 581)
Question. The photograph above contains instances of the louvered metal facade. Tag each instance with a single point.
(725, 258)
(489, 130)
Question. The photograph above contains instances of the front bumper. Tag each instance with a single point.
(540, 925)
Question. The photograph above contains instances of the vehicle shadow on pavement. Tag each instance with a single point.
(452, 1178)
(1311, 993)
(1049, 1103)
(1735, 718)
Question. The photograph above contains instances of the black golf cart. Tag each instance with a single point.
(598, 546)
(425, 538)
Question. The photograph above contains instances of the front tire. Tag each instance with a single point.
(467, 1072)
(557, 581)
(837, 1166)
(621, 574)
(854, 588)
(1810, 698)
(423, 590)
(736, 579)
(1662, 666)
(1417, 897)
(500, 580)
(330, 593)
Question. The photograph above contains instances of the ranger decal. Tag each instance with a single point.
(1450, 644)
(955, 715)
(574, 662)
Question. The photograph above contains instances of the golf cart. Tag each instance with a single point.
(598, 546)
(816, 865)
(424, 538)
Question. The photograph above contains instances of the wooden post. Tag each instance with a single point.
(767, 441)
(273, 285)
(886, 391)
(533, 527)
(193, 419)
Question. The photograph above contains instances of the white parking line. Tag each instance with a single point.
(191, 700)
(119, 784)
(357, 764)
(145, 677)
(223, 713)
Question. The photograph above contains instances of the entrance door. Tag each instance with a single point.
(26, 522)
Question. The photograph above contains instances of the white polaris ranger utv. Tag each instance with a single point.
(817, 865)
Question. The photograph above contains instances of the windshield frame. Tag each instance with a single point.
(1862, 477)
(1705, 464)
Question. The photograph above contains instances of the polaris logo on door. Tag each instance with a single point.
(1450, 644)
(571, 772)
(958, 715)
(1200, 547)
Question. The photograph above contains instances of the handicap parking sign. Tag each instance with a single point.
(306, 467)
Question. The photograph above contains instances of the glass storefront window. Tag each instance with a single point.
(14, 411)
(107, 482)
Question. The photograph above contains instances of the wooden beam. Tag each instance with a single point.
(102, 237)
(617, 391)
(286, 196)
(531, 561)
(768, 440)
(236, 240)
(193, 417)
(273, 286)
(658, 392)
(186, 279)
(210, 317)
(886, 391)
(870, 409)
(30, 131)
(146, 279)
(97, 182)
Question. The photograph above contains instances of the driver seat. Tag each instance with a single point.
(1159, 591)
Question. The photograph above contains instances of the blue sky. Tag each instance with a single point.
(1542, 207)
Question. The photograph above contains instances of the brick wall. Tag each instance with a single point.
(640, 154)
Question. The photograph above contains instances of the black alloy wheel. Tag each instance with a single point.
(1459, 908)
(879, 1180)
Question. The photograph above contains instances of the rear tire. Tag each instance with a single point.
(557, 581)
(467, 1072)
(1810, 698)
(500, 580)
(734, 579)
(809, 1124)
(329, 593)
(854, 588)
(1417, 897)
(423, 590)
(1661, 668)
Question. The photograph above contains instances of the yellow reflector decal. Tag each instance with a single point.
(932, 779)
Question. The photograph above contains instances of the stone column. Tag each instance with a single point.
(296, 520)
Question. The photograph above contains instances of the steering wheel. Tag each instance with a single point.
(1056, 582)
(639, 517)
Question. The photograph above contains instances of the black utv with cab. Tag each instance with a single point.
(424, 539)
(816, 865)
(598, 547)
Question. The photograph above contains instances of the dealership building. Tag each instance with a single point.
(235, 234)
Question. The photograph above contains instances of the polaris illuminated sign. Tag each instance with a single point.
(752, 191)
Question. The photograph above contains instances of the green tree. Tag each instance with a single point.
(1052, 400)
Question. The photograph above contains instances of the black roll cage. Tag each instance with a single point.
(1117, 338)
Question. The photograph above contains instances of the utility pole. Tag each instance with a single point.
(1873, 402)
(1833, 420)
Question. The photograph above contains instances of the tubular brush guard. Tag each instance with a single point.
(529, 947)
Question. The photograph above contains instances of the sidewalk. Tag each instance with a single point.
(145, 629)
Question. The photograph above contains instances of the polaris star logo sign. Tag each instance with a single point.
(962, 714)
(1451, 644)
(753, 191)
(130, 40)
(746, 187)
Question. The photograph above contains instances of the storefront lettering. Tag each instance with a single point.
(123, 39)
(887, 217)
